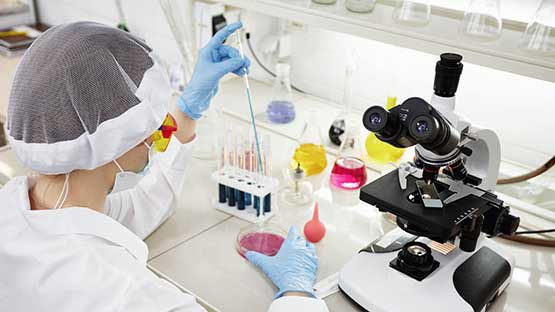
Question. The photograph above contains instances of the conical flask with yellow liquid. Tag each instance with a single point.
(310, 153)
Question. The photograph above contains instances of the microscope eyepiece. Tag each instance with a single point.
(448, 73)
(387, 126)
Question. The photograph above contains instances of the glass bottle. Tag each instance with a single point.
(379, 151)
(412, 12)
(337, 128)
(349, 170)
(482, 20)
(281, 110)
(539, 37)
(310, 152)
(360, 6)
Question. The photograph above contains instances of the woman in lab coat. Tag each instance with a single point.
(88, 112)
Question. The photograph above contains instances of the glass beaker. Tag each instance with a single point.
(412, 12)
(349, 170)
(482, 20)
(360, 6)
(310, 152)
(539, 37)
(324, 1)
(379, 151)
(281, 110)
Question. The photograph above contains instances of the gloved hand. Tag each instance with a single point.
(214, 61)
(293, 268)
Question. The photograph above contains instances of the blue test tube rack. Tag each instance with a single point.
(262, 190)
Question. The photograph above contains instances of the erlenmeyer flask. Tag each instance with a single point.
(337, 128)
(482, 20)
(310, 152)
(412, 12)
(281, 110)
(349, 170)
(539, 37)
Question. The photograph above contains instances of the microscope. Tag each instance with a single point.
(439, 259)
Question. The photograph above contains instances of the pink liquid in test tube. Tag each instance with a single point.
(348, 173)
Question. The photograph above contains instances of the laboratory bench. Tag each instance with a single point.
(207, 264)
(195, 247)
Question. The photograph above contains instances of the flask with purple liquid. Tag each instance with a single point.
(281, 110)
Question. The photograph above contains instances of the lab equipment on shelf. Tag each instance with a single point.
(310, 152)
(264, 238)
(281, 109)
(482, 20)
(241, 176)
(299, 192)
(414, 13)
(379, 151)
(539, 37)
(360, 6)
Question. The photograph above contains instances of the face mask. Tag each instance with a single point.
(126, 180)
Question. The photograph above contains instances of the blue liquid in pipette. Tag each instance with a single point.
(280, 112)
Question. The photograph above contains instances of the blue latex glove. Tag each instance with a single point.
(293, 268)
(214, 61)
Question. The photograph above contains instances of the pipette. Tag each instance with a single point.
(249, 97)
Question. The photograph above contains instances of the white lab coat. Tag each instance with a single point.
(76, 259)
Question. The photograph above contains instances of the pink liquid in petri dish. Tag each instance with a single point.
(348, 173)
(264, 243)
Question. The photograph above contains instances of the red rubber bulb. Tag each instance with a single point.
(314, 230)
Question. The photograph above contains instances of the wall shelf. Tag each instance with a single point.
(441, 35)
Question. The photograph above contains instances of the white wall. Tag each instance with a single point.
(518, 108)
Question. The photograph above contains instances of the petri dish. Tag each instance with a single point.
(265, 239)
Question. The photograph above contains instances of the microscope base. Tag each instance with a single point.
(464, 282)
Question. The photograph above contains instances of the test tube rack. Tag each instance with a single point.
(262, 190)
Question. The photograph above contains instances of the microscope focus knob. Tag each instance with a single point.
(509, 224)
(416, 256)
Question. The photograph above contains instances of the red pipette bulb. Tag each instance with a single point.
(314, 230)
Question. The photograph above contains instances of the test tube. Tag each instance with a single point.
(267, 167)
(255, 172)
(221, 158)
(240, 169)
(248, 167)
(231, 166)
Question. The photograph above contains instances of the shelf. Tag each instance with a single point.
(441, 35)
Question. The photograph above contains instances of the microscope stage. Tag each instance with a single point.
(441, 223)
